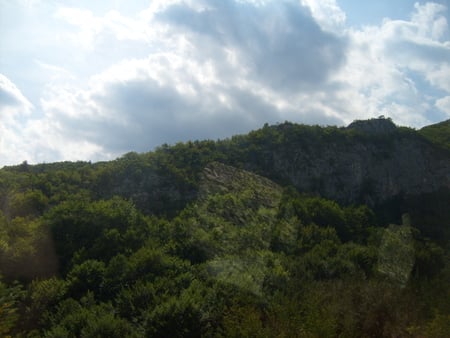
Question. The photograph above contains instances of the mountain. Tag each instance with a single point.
(369, 162)
(394, 170)
(287, 231)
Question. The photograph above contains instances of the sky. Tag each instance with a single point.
(91, 80)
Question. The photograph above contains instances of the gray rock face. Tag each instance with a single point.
(218, 178)
(365, 171)
(380, 125)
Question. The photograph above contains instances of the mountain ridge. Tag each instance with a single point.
(367, 162)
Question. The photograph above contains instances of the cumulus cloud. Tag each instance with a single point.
(12, 101)
(182, 69)
(278, 44)
(444, 105)
(327, 13)
(91, 27)
(398, 68)
(232, 67)
(13, 106)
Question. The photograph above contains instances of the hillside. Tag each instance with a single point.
(350, 165)
(438, 133)
(290, 230)
(372, 162)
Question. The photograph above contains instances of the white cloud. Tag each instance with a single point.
(13, 107)
(430, 21)
(392, 68)
(327, 13)
(209, 83)
(444, 105)
(92, 29)
(12, 101)
(180, 70)
(29, 4)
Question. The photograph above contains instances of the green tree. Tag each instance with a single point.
(28, 203)
(87, 276)
(10, 296)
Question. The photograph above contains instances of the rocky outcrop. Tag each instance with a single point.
(218, 178)
(366, 171)
(369, 162)
(379, 126)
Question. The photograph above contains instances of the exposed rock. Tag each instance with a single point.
(370, 167)
(221, 178)
(379, 125)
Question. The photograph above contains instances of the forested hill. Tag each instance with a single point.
(288, 231)
(372, 162)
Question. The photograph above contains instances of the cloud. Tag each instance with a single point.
(12, 101)
(139, 104)
(113, 23)
(278, 44)
(327, 13)
(183, 69)
(13, 107)
(398, 69)
(225, 72)
(418, 45)
(430, 20)
(444, 105)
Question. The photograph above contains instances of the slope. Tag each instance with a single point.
(438, 133)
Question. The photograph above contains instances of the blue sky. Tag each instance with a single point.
(91, 80)
(360, 13)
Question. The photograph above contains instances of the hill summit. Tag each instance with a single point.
(379, 125)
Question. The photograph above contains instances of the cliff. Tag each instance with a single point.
(370, 161)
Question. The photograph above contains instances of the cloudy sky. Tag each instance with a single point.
(91, 80)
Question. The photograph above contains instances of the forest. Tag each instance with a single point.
(221, 238)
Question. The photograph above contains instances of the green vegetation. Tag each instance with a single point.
(181, 242)
(438, 133)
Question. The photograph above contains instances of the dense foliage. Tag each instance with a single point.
(140, 247)
(438, 133)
